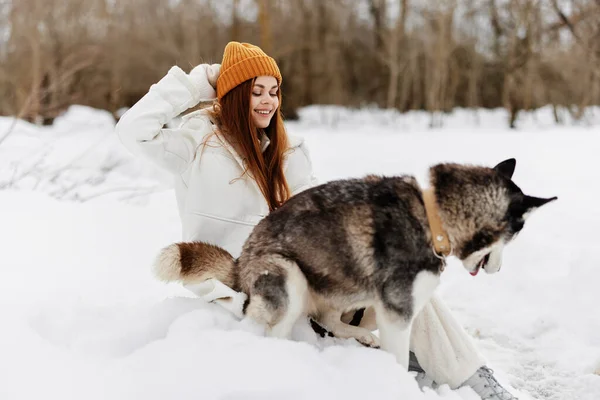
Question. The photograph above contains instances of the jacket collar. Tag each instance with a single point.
(294, 141)
(264, 143)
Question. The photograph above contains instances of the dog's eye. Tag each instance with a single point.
(479, 241)
(516, 225)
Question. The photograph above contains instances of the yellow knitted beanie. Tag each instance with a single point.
(243, 61)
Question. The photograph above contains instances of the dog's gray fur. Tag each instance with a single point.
(357, 243)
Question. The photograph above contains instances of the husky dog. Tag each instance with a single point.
(364, 243)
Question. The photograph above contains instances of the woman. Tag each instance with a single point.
(234, 163)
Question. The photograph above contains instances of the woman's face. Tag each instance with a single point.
(264, 100)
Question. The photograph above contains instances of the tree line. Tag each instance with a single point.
(432, 55)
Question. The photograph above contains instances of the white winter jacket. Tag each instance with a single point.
(217, 203)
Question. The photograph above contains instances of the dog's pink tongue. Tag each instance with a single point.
(475, 273)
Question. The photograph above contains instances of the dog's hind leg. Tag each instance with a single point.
(279, 298)
(366, 318)
(297, 292)
(342, 330)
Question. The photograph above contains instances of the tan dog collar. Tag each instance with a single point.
(441, 243)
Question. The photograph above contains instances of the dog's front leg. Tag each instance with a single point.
(394, 334)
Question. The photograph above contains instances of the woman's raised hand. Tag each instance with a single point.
(204, 78)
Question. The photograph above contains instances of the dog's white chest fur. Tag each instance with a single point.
(423, 287)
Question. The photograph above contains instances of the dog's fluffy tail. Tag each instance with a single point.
(195, 262)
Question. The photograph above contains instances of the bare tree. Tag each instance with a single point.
(396, 45)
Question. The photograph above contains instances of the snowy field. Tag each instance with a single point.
(82, 317)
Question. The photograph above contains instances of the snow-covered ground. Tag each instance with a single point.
(82, 317)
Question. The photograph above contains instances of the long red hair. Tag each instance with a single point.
(233, 118)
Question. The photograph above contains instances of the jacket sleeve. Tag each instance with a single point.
(141, 130)
(300, 169)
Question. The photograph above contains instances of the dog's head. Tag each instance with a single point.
(482, 210)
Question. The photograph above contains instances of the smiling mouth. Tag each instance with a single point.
(263, 113)
(481, 264)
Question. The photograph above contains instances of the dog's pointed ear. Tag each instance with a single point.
(506, 168)
(531, 203)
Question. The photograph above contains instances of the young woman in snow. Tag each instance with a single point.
(233, 163)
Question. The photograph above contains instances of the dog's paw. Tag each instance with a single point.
(369, 340)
